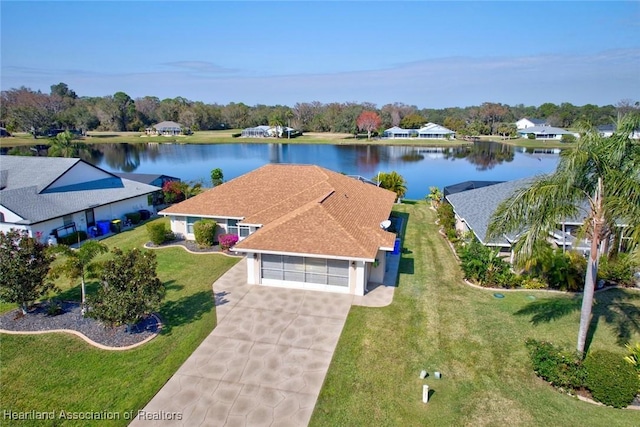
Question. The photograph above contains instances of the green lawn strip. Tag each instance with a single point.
(56, 372)
(436, 322)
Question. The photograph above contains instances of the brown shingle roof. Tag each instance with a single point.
(303, 209)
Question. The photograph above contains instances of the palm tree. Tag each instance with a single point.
(78, 263)
(63, 145)
(598, 180)
(435, 196)
(392, 181)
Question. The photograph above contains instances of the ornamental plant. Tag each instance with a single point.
(227, 240)
(205, 232)
(610, 379)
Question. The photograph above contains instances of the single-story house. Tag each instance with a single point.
(526, 122)
(428, 131)
(434, 131)
(608, 130)
(300, 226)
(545, 132)
(167, 128)
(473, 209)
(398, 132)
(57, 196)
(267, 132)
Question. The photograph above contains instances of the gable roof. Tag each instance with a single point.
(145, 178)
(28, 191)
(477, 206)
(303, 209)
(434, 128)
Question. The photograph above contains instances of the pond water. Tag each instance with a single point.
(421, 167)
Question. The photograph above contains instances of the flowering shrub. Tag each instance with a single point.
(227, 240)
(173, 191)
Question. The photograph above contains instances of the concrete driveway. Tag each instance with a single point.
(263, 364)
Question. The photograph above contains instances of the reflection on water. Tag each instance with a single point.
(420, 166)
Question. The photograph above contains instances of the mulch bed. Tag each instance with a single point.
(38, 319)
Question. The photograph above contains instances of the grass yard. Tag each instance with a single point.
(55, 372)
(475, 340)
(225, 137)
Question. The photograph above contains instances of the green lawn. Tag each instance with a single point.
(225, 137)
(438, 323)
(56, 372)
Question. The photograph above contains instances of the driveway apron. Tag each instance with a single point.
(262, 365)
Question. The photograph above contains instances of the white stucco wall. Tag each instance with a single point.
(377, 273)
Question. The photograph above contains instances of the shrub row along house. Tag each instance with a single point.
(428, 131)
(300, 226)
(59, 196)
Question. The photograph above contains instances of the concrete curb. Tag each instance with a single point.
(87, 339)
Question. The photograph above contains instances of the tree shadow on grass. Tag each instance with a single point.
(186, 310)
(618, 309)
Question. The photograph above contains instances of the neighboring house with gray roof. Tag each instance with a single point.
(546, 132)
(473, 210)
(166, 128)
(53, 195)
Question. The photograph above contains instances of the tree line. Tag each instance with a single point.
(26, 110)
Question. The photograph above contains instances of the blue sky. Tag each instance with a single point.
(428, 54)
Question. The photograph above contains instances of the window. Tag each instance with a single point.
(190, 221)
(244, 231)
(67, 220)
(232, 226)
(1, 217)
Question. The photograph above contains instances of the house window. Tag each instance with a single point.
(67, 220)
(232, 226)
(1, 217)
(190, 221)
(244, 231)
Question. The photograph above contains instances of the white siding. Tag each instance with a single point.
(79, 173)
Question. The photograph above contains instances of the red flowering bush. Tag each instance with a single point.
(227, 240)
(172, 191)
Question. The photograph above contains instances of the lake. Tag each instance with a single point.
(421, 167)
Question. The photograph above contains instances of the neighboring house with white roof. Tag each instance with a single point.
(428, 131)
(300, 226)
(526, 122)
(545, 132)
(266, 132)
(54, 195)
(434, 131)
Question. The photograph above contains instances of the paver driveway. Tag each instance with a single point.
(263, 364)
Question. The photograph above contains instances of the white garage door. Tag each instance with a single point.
(319, 271)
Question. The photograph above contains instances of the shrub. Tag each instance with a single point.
(227, 240)
(446, 217)
(482, 265)
(633, 358)
(75, 237)
(531, 136)
(618, 269)
(610, 379)
(533, 283)
(134, 217)
(158, 234)
(561, 368)
(567, 138)
(236, 135)
(205, 232)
